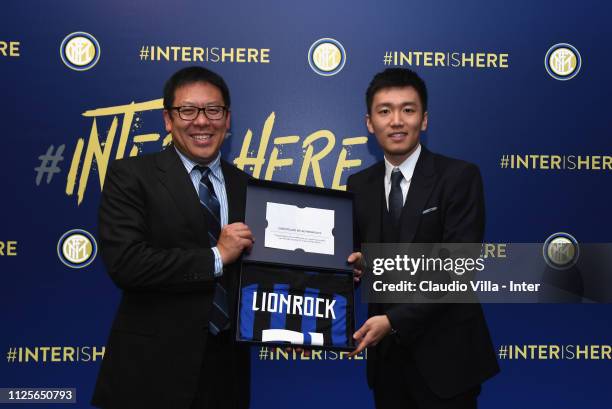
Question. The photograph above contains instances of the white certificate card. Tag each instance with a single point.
(291, 228)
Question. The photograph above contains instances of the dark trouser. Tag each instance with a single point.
(399, 384)
(218, 386)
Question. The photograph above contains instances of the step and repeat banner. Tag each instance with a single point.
(520, 89)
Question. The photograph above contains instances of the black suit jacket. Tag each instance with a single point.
(154, 243)
(449, 343)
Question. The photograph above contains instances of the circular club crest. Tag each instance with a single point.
(561, 251)
(77, 248)
(80, 51)
(562, 61)
(326, 57)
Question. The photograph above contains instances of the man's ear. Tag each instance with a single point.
(369, 124)
(167, 120)
(424, 123)
(228, 121)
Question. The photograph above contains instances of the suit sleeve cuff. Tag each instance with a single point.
(218, 262)
(393, 327)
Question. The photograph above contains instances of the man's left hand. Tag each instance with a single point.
(356, 260)
(371, 332)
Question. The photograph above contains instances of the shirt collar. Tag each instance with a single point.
(406, 167)
(214, 166)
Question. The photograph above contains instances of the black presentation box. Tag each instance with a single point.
(297, 290)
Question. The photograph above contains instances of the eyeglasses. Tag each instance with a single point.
(189, 113)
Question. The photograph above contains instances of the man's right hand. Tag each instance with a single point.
(233, 240)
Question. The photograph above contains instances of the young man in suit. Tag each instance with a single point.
(419, 355)
(171, 232)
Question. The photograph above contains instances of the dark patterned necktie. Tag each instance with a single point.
(396, 199)
(219, 317)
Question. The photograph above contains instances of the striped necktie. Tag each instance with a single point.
(219, 317)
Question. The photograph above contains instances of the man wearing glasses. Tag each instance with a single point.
(171, 231)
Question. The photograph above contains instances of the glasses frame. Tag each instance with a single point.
(224, 111)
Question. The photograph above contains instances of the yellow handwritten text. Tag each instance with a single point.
(101, 152)
(310, 161)
(121, 140)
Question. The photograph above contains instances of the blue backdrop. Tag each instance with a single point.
(490, 95)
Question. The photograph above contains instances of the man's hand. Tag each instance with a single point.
(355, 260)
(371, 332)
(233, 240)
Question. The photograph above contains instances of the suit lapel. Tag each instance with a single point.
(372, 214)
(172, 174)
(235, 213)
(373, 208)
(233, 203)
(421, 186)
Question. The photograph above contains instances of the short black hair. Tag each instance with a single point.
(192, 75)
(396, 78)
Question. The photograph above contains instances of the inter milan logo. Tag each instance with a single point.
(326, 57)
(77, 248)
(562, 61)
(80, 51)
(561, 251)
